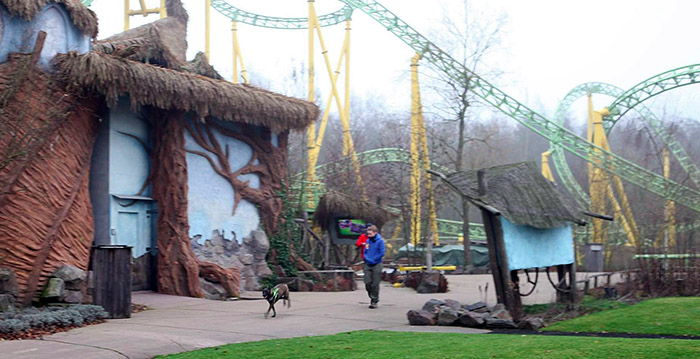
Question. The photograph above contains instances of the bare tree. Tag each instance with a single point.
(469, 42)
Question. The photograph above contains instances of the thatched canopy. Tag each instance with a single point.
(168, 89)
(520, 193)
(336, 204)
(82, 17)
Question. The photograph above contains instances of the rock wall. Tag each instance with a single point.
(248, 256)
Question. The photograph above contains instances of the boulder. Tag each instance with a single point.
(420, 317)
(257, 244)
(432, 283)
(8, 282)
(447, 316)
(433, 306)
(501, 314)
(211, 290)
(476, 307)
(469, 319)
(73, 296)
(453, 304)
(497, 323)
(262, 270)
(498, 306)
(7, 302)
(246, 259)
(73, 278)
(531, 324)
(252, 284)
(54, 289)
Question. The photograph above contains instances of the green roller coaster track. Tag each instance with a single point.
(646, 115)
(289, 23)
(524, 115)
(551, 130)
(682, 76)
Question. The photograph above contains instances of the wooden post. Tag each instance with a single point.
(572, 284)
(507, 289)
(326, 250)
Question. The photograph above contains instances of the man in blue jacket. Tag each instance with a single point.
(374, 252)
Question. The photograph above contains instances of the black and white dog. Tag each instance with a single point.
(280, 291)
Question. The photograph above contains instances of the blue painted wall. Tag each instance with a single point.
(19, 35)
(529, 247)
(210, 197)
(129, 167)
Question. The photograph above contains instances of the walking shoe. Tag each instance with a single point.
(373, 306)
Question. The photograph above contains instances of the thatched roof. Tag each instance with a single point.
(201, 66)
(168, 89)
(336, 204)
(520, 193)
(161, 42)
(82, 17)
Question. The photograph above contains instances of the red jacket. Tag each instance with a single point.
(361, 244)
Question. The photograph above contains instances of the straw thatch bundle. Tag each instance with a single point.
(336, 204)
(82, 17)
(173, 90)
(520, 193)
(200, 66)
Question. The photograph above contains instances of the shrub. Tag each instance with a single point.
(16, 322)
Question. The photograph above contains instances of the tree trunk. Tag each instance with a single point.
(178, 267)
(467, 241)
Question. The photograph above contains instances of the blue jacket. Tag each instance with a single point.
(374, 250)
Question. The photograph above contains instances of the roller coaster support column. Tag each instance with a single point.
(349, 147)
(601, 188)
(207, 27)
(546, 170)
(311, 131)
(128, 13)
(420, 160)
(415, 154)
(596, 183)
(237, 57)
(669, 210)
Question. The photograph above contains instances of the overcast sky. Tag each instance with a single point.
(548, 46)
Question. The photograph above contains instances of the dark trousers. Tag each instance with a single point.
(373, 275)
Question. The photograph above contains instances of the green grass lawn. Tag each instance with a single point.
(671, 316)
(384, 344)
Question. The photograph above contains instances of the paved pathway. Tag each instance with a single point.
(175, 324)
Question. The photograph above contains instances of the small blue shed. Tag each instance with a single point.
(528, 222)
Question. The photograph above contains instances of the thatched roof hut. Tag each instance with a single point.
(82, 17)
(520, 193)
(335, 204)
(169, 89)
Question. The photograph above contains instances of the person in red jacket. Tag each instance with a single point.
(361, 240)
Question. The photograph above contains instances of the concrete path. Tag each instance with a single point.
(175, 324)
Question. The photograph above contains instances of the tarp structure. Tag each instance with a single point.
(447, 255)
